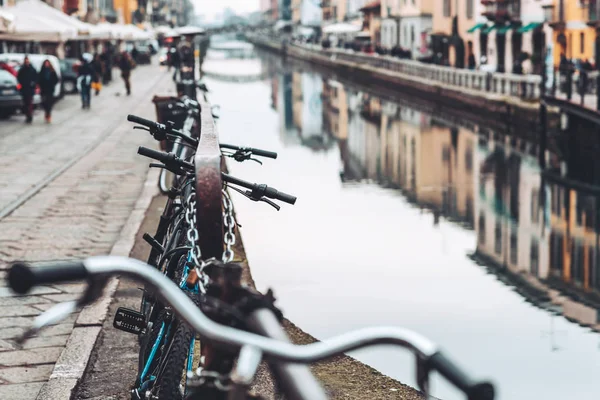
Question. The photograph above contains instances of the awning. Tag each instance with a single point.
(341, 28)
(7, 21)
(123, 32)
(282, 24)
(529, 27)
(503, 29)
(34, 20)
(476, 27)
(190, 30)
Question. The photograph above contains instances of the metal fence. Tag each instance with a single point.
(525, 87)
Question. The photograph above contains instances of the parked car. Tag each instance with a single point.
(144, 54)
(68, 70)
(10, 98)
(16, 60)
(163, 58)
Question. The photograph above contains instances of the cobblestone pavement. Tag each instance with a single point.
(79, 213)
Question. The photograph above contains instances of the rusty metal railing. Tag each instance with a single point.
(209, 195)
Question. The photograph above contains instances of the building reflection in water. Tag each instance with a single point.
(539, 236)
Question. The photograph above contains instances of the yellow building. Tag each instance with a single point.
(296, 11)
(573, 37)
(125, 10)
(452, 21)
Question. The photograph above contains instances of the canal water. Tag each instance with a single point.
(404, 218)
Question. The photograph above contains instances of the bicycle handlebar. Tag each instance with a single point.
(146, 122)
(169, 159)
(258, 152)
(22, 277)
(260, 190)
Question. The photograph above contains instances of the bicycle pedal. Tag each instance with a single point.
(129, 320)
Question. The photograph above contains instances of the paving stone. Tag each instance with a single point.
(62, 297)
(15, 311)
(6, 292)
(21, 391)
(34, 373)
(56, 330)
(71, 287)
(30, 357)
(46, 341)
(22, 301)
(7, 333)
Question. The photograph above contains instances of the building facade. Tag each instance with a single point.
(416, 20)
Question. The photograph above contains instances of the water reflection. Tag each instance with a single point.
(540, 237)
(435, 223)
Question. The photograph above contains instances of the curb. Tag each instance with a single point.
(73, 360)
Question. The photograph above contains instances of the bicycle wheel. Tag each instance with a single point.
(171, 382)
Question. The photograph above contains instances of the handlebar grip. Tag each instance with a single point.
(142, 121)
(264, 153)
(447, 368)
(156, 155)
(22, 277)
(275, 194)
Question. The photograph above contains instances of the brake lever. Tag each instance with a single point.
(142, 128)
(254, 159)
(168, 168)
(249, 195)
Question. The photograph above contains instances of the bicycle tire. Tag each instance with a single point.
(167, 387)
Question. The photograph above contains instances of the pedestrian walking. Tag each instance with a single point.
(107, 60)
(85, 78)
(99, 73)
(126, 64)
(47, 81)
(28, 79)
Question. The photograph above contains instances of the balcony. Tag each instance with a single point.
(593, 8)
(500, 11)
(556, 15)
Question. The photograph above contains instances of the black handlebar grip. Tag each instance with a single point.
(275, 194)
(141, 121)
(154, 154)
(264, 153)
(474, 391)
(22, 277)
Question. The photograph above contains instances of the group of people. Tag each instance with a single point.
(93, 71)
(29, 79)
(97, 69)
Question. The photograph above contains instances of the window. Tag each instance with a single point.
(535, 206)
(535, 257)
(470, 9)
(481, 228)
(446, 9)
(412, 35)
(513, 245)
(469, 159)
(582, 42)
(498, 238)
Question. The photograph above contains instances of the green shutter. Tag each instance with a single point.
(476, 27)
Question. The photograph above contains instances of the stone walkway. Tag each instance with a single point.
(79, 213)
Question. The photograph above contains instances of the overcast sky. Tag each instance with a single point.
(211, 7)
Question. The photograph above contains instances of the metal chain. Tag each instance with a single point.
(229, 223)
(192, 233)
